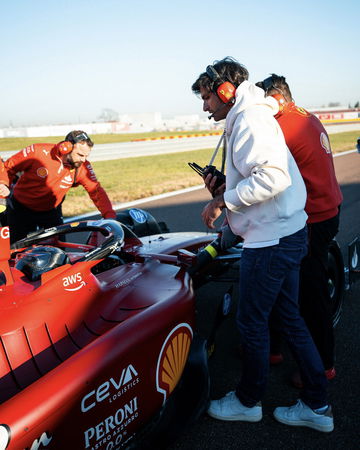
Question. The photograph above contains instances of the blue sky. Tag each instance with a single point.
(64, 61)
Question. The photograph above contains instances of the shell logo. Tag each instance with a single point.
(172, 358)
(325, 143)
(42, 172)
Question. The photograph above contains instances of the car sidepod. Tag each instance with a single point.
(105, 395)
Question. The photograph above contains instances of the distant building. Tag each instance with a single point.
(126, 123)
(337, 114)
(147, 122)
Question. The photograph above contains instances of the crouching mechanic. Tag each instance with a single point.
(47, 172)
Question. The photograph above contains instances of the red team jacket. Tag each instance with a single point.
(45, 180)
(309, 144)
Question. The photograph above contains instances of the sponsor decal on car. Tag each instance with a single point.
(73, 282)
(4, 232)
(43, 441)
(111, 389)
(138, 215)
(127, 281)
(49, 229)
(4, 252)
(172, 358)
(111, 431)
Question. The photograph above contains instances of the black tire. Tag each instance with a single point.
(336, 281)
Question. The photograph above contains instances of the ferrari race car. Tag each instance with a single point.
(99, 348)
(98, 342)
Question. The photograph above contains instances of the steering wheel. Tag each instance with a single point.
(110, 229)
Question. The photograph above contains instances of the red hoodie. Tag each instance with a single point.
(45, 180)
(309, 144)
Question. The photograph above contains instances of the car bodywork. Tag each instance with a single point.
(92, 351)
(102, 352)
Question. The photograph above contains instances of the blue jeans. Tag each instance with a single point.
(269, 281)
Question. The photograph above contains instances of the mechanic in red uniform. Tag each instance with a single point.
(47, 172)
(309, 143)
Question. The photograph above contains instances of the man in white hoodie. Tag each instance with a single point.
(264, 200)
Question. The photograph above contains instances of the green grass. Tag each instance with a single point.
(340, 142)
(135, 178)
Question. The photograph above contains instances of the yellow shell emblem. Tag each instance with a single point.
(42, 172)
(172, 358)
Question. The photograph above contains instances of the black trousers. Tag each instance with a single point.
(314, 295)
(23, 220)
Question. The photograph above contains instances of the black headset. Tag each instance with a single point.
(266, 84)
(75, 139)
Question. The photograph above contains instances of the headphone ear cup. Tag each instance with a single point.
(65, 147)
(226, 91)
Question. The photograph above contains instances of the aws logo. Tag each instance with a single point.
(73, 282)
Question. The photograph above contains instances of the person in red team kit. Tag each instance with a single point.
(309, 144)
(47, 172)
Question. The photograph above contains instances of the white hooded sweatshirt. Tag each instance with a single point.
(265, 193)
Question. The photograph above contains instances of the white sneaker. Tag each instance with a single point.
(231, 408)
(301, 415)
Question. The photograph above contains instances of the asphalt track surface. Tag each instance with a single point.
(182, 213)
(104, 152)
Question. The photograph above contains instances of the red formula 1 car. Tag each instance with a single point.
(98, 342)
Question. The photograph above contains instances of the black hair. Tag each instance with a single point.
(276, 84)
(79, 136)
(228, 69)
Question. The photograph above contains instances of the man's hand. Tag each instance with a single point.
(213, 210)
(4, 190)
(210, 181)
